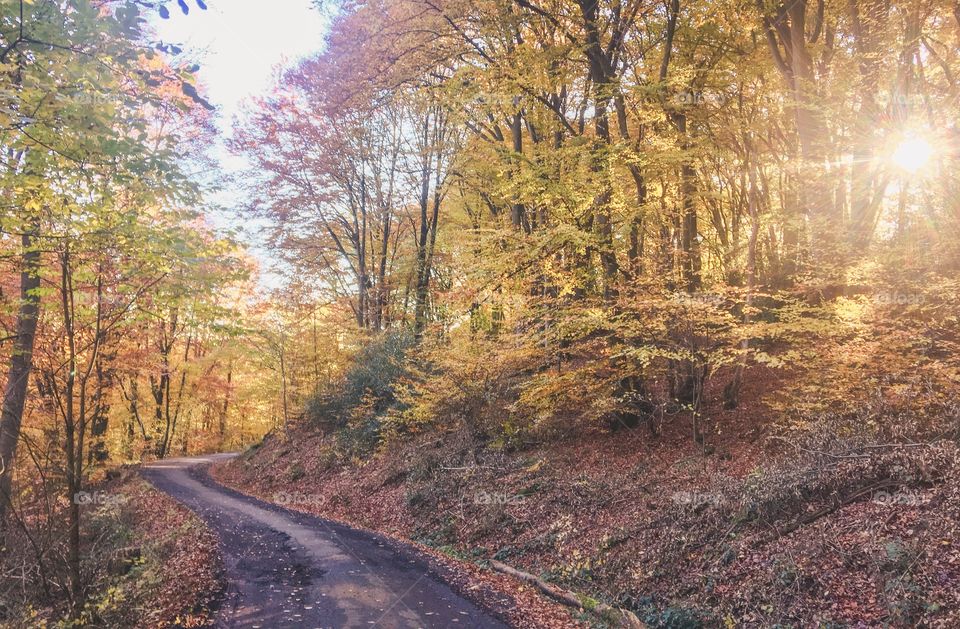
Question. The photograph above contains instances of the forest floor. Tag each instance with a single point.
(756, 527)
(150, 563)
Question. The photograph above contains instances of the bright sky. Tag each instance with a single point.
(238, 44)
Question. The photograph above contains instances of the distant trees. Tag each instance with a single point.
(351, 189)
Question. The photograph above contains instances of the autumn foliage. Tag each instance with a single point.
(701, 249)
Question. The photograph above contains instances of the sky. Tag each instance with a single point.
(238, 45)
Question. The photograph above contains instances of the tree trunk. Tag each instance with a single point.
(691, 263)
(431, 170)
(602, 80)
(788, 27)
(226, 399)
(283, 379)
(422, 279)
(867, 187)
(21, 362)
(518, 213)
(731, 393)
(73, 445)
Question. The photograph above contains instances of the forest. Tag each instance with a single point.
(637, 312)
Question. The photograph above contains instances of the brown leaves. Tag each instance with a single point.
(182, 554)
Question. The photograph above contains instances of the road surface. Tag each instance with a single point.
(288, 569)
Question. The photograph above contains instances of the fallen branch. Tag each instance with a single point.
(834, 506)
(818, 452)
(849, 455)
(564, 596)
(626, 618)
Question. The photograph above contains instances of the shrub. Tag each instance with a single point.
(361, 431)
(368, 382)
(466, 382)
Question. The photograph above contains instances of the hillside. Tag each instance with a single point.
(759, 526)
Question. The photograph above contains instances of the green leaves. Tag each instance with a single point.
(191, 92)
(184, 7)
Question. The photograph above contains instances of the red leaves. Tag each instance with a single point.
(636, 515)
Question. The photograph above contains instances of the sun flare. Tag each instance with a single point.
(912, 153)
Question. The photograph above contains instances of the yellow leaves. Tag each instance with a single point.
(764, 358)
(850, 311)
(596, 314)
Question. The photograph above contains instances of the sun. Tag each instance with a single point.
(912, 153)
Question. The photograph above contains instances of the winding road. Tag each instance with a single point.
(289, 569)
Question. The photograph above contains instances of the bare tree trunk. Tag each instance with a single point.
(21, 362)
(731, 393)
(226, 398)
(73, 446)
(518, 213)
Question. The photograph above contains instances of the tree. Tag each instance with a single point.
(72, 80)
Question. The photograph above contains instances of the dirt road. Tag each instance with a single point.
(288, 569)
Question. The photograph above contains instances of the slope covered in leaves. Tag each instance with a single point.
(752, 532)
(152, 563)
(827, 496)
